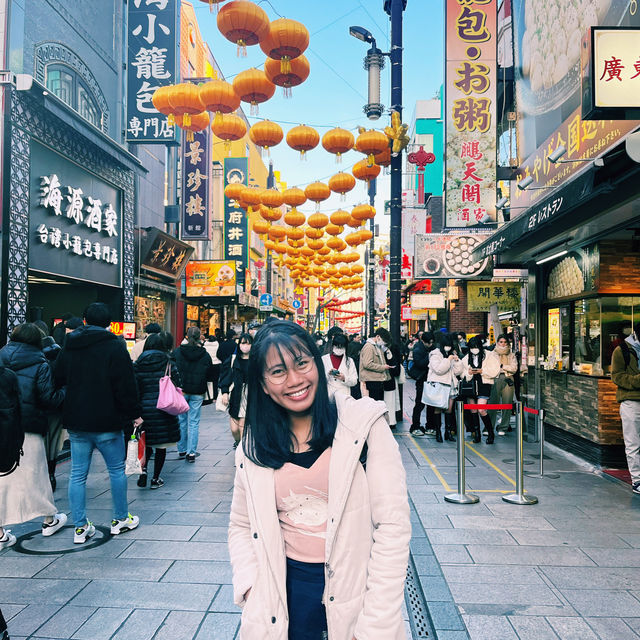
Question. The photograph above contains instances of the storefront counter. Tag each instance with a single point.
(582, 416)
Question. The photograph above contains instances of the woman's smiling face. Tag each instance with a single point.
(291, 379)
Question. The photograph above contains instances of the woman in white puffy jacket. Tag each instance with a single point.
(481, 367)
(340, 369)
(445, 366)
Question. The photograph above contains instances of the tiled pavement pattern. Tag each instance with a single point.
(566, 568)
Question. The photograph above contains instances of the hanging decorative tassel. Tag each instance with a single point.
(286, 92)
(186, 120)
(255, 108)
(217, 119)
(189, 136)
(303, 155)
(171, 120)
(227, 147)
(338, 158)
(242, 49)
(371, 160)
(285, 65)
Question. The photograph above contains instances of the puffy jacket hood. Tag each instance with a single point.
(193, 353)
(631, 341)
(87, 336)
(18, 355)
(152, 360)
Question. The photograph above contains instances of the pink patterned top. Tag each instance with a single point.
(302, 497)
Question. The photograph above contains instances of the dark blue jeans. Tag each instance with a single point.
(307, 616)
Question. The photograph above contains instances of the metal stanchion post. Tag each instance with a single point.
(519, 497)
(461, 497)
(553, 476)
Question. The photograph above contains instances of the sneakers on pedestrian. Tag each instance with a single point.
(636, 489)
(59, 520)
(191, 457)
(156, 484)
(182, 454)
(417, 431)
(142, 480)
(7, 540)
(120, 526)
(81, 534)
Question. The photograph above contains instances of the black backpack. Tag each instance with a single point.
(11, 431)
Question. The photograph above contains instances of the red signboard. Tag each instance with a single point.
(125, 329)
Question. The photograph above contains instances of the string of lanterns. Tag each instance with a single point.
(318, 249)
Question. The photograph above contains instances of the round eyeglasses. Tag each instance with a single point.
(278, 374)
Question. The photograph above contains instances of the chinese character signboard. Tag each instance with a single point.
(414, 221)
(448, 256)
(428, 301)
(210, 278)
(611, 73)
(471, 49)
(548, 91)
(151, 63)
(196, 163)
(75, 221)
(481, 295)
(236, 228)
(163, 254)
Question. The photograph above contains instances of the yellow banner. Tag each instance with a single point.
(481, 295)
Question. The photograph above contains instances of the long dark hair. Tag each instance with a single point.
(476, 343)
(267, 440)
(444, 340)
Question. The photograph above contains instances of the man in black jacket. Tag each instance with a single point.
(101, 399)
(419, 372)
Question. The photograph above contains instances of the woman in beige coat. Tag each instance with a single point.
(320, 491)
(504, 384)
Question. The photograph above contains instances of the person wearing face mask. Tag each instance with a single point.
(481, 367)
(445, 366)
(340, 369)
(504, 383)
(419, 371)
(461, 339)
(233, 386)
(374, 368)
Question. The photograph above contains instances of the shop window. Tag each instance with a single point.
(587, 341)
(69, 87)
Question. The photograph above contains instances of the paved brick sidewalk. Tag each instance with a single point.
(568, 567)
(170, 579)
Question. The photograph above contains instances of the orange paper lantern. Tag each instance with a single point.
(383, 159)
(229, 128)
(286, 40)
(277, 233)
(338, 141)
(243, 23)
(318, 221)
(254, 87)
(314, 233)
(317, 192)
(271, 198)
(365, 171)
(334, 229)
(294, 197)
(233, 191)
(184, 99)
(160, 101)
(340, 217)
(197, 122)
(294, 218)
(365, 234)
(295, 233)
(372, 142)
(219, 97)
(298, 73)
(342, 183)
(260, 226)
(303, 138)
(266, 134)
(270, 214)
(252, 196)
(363, 212)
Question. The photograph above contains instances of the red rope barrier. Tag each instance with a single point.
(535, 412)
(491, 407)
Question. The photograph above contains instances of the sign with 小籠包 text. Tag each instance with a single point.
(236, 226)
(151, 64)
(75, 221)
(481, 295)
(195, 187)
(470, 114)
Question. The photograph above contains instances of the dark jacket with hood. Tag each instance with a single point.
(194, 364)
(234, 372)
(420, 367)
(226, 349)
(37, 390)
(101, 387)
(160, 427)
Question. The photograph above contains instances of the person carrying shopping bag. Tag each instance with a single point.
(319, 526)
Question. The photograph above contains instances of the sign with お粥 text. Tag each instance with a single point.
(151, 63)
(75, 221)
(470, 114)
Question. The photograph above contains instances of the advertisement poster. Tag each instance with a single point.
(196, 179)
(482, 295)
(548, 92)
(152, 29)
(210, 278)
(470, 116)
(449, 256)
(236, 227)
(575, 273)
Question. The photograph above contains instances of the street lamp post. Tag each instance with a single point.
(395, 9)
(371, 267)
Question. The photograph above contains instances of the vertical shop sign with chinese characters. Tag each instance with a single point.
(196, 178)
(151, 63)
(471, 50)
(236, 227)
